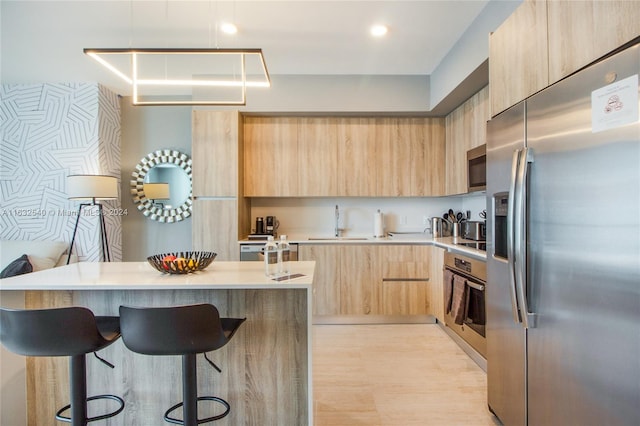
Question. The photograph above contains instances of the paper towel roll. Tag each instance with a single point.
(378, 225)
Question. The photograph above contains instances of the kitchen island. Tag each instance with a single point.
(266, 368)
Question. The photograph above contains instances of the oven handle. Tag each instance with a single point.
(468, 277)
(475, 286)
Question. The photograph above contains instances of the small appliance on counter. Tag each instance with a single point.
(473, 230)
(271, 226)
(440, 227)
(265, 227)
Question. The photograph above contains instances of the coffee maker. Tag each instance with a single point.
(265, 226)
(271, 225)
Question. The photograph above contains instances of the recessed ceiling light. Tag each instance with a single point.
(379, 30)
(229, 28)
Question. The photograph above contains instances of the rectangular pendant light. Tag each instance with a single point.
(186, 76)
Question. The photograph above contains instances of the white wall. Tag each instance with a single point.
(341, 94)
(471, 50)
(50, 131)
(146, 129)
(315, 217)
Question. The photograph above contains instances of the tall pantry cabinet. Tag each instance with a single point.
(465, 129)
(220, 209)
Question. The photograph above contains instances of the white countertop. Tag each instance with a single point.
(142, 276)
(448, 243)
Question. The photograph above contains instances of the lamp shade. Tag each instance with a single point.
(92, 187)
(156, 191)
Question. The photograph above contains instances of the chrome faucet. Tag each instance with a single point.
(337, 230)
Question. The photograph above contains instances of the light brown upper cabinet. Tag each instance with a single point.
(357, 171)
(518, 60)
(271, 156)
(427, 162)
(466, 128)
(393, 155)
(409, 154)
(583, 31)
(545, 41)
(317, 157)
(344, 156)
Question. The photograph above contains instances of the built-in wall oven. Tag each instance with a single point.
(464, 299)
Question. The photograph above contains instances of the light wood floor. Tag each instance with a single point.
(395, 375)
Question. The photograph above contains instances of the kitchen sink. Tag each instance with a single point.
(338, 239)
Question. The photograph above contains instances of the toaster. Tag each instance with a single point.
(474, 230)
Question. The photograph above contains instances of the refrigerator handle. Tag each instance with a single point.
(513, 189)
(520, 237)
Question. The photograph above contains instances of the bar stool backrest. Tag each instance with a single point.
(175, 330)
(64, 331)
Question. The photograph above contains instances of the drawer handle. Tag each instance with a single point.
(405, 279)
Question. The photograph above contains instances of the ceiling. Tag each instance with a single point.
(43, 40)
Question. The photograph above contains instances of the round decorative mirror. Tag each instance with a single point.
(161, 186)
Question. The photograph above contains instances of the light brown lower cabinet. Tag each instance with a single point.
(326, 285)
(405, 297)
(405, 279)
(359, 276)
(436, 283)
(368, 279)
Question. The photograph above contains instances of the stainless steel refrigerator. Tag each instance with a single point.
(563, 251)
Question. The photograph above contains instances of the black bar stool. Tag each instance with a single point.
(72, 332)
(180, 330)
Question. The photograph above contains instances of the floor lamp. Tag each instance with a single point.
(93, 188)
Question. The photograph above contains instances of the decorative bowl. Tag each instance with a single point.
(182, 262)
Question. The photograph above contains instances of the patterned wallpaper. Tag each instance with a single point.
(50, 131)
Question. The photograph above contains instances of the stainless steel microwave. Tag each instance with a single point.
(477, 168)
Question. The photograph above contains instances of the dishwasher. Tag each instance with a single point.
(252, 252)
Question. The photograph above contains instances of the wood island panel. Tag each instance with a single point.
(265, 367)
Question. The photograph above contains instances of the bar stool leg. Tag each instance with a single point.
(189, 390)
(78, 380)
